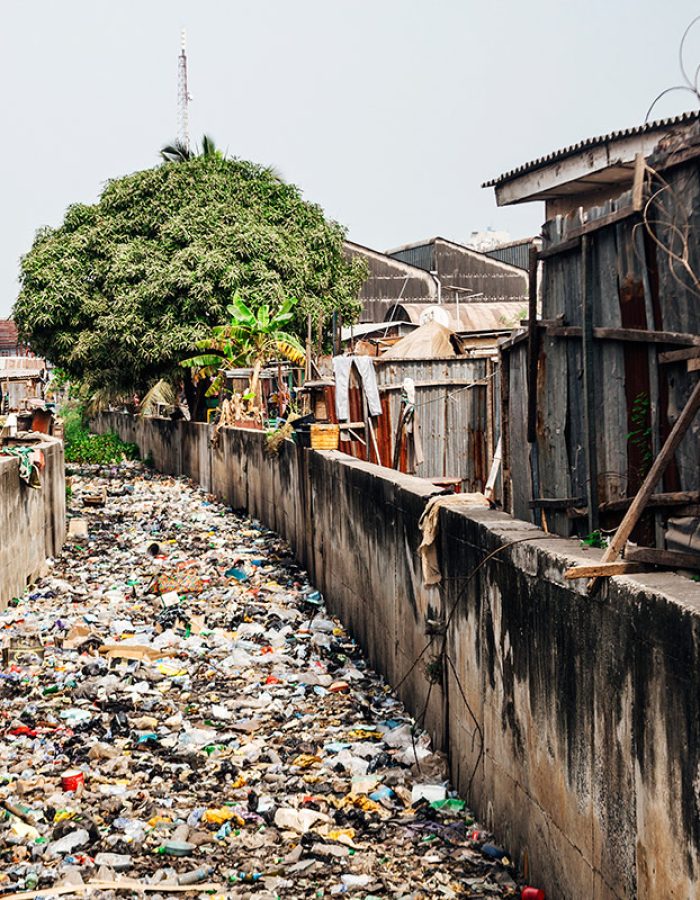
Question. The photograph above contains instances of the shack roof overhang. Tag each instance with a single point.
(593, 164)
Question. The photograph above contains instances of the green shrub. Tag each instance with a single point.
(99, 449)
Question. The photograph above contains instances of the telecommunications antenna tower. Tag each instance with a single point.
(183, 97)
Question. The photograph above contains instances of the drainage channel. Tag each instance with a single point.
(181, 714)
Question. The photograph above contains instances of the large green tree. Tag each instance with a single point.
(118, 295)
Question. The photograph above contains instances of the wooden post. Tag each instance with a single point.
(652, 355)
(309, 337)
(532, 347)
(505, 431)
(647, 489)
(638, 183)
(366, 420)
(532, 354)
(335, 339)
(589, 410)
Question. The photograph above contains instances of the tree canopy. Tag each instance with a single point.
(120, 293)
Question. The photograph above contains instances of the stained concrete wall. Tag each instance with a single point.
(32, 520)
(571, 723)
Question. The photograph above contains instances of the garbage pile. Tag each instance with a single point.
(180, 713)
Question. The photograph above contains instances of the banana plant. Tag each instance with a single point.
(251, 338)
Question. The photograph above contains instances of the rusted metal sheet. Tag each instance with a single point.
(452, 415)
(464, 317)
(456, 411)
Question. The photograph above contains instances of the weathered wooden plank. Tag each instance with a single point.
(672, 356)
(601, 570)
(674, 559)
(589, 379)
(680, 311)
(552, 419)
(573, 235)
(519, 449)
(625, 334)
(659, 465)
(557, 502)
(532, 347)
(661, 500)
(610, 369)
(505, 431)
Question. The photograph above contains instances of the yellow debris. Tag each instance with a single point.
(306, 760)
(221, 815)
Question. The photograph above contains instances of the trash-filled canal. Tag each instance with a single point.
(180, 715)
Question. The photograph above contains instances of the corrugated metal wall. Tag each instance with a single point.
(422, 256)
(515, 255)
(455, 413)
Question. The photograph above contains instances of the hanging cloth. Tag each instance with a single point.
(365, 369)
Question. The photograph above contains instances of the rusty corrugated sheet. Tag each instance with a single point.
(451, 408)
(463, 317)
(451, 411)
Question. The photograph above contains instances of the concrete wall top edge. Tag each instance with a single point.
(46, 444)
(411, 483)
(560, 553)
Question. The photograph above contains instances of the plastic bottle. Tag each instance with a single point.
(71, 841)
(196, 876)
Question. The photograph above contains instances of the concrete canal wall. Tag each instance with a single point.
(32, 520)
(571, 724)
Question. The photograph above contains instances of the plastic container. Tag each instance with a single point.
(72, 779)
(429, 792)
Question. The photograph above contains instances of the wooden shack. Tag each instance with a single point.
(594, 385)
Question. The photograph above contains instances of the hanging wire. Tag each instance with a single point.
(689, 86)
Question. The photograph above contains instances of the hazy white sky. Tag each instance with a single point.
(389, 113)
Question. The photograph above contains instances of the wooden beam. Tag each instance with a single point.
(671, 559)
(532, 347)
(675, 498)
(589, 407)
(557, 502)
(601, 570)
(653, 477)
(573, 235)
(635, 335)
(561, 247)
(672, 356)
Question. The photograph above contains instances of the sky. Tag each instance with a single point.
(388, 113)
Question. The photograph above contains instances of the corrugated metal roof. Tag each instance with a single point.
(588, 143)
(364, 328)
(21, 366)
(465, 317)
